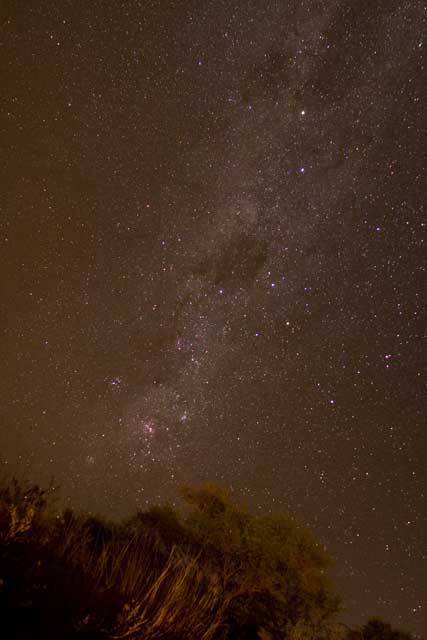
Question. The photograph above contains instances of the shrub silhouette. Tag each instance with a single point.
(212, 571)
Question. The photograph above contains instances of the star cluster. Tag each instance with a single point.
(212, 246)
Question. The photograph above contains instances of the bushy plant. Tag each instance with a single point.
(212, 571)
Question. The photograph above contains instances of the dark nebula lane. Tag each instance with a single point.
(212, 258)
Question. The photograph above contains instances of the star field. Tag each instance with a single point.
(212, 251)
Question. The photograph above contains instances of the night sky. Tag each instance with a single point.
(213, 266)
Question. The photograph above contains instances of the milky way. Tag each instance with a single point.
(213, 266)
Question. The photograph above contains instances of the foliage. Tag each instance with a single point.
(21, 507)
(274, 567)
(74, 575)
(212, 571)
(376, 629)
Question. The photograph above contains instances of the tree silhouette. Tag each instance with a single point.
(272, 565)
(377, 629)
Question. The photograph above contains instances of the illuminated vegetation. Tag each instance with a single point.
(213, 571)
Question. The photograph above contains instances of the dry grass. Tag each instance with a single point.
(175, 599)
(65, 576)
(122, 586)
